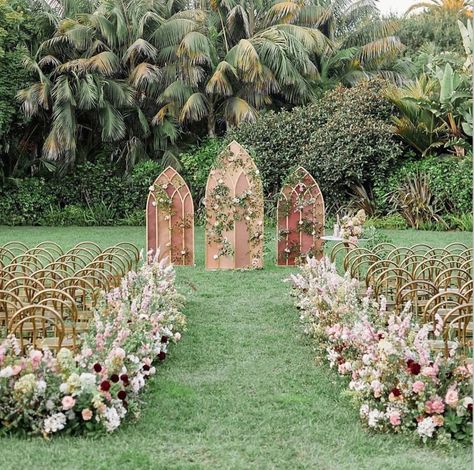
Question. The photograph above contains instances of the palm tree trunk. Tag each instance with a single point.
(211, 121)
(251, 13)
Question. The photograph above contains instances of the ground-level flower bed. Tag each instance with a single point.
(398, 382)
(96, 389)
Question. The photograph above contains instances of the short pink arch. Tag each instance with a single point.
(170, 219)
(300, 219)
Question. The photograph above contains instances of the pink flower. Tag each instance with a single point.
(177, 336)
(68, 402)
(429, 372)
(434, 406)
(86, 414)
(451, 398)
(36, 357)
(16, 369)
(394, 418)
(418, 386)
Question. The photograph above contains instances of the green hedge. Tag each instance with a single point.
(92, 195)
(450, 180)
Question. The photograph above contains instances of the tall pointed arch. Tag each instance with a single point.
(170, 219)
(300, 219)
(234, 212)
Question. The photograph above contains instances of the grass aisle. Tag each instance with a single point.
(241, 391)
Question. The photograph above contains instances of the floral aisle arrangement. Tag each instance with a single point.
(398, 382)
(96, 389)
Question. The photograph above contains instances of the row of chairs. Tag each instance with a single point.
(51, 306)
(436, 281)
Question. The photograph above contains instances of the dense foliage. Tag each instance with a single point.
(344, 140)
(93, 195)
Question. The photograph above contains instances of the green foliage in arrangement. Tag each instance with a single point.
(343, 140)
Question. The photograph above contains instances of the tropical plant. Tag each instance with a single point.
(451, 7)
(99, 79)
(257, 54)
(415, 201)
(435, 111)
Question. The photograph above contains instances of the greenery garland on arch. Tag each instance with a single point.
(225, 206)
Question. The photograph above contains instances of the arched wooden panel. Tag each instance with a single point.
(300, 215)
(234, 212)
(170, 219)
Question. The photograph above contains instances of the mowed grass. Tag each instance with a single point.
(241, 390)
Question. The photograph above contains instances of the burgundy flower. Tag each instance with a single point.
(162, 356)
(124, 378)
(409, 362)
(415, 368)
(164, 339)
(122, 395)
(105, 386)
(469, 407)
(396, 392)
(97, 367)
(114, 378)
(381, 336)
(146, 367)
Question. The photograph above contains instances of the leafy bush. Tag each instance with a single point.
(450, 180)
(197, 163)
(92, 195)
(344, 140)
(24, 202)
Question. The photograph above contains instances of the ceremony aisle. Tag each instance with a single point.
(240, 391)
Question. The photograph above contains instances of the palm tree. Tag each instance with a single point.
(239, 60)
(254, 54)
(98, 79)
(450, 7)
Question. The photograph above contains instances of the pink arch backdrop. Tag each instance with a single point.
(234, 212)
(300, 219)
(170, 219)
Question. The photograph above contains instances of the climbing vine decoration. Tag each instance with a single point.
(300, 215)
(234, 212)
(170, 219)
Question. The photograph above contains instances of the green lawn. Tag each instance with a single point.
(241, 391)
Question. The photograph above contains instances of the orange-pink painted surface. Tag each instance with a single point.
(234, 212)
(300, 219)
(170, 219)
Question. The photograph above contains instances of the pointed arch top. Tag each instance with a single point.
(234, 211)
(300, 218)
(170, 218)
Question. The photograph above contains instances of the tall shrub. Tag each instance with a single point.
(345, 140)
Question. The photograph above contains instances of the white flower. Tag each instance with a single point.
(7, 372)
(112, 419)
(426, 427)
(153, 203)
(467, 401)
(41, 387)
(216, 256)
(374, 417)
(364, 410)
(151, 188)
(87, 381)
(54, 423)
